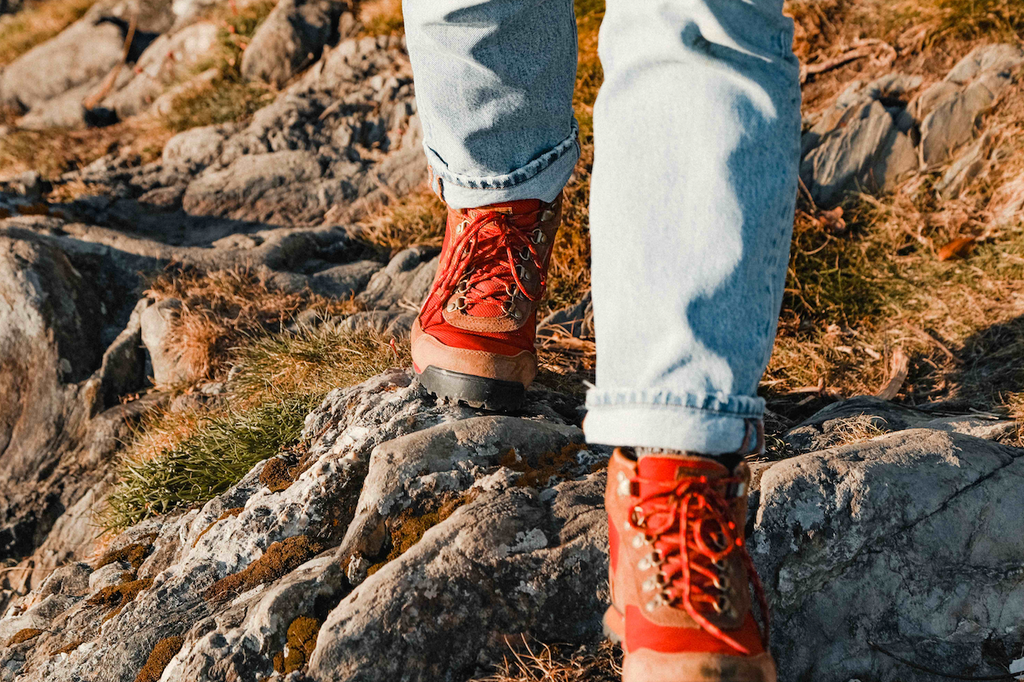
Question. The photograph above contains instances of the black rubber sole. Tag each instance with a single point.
(481, 392)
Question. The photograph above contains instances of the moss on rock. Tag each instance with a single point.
(116, 597)
(408, 528)
(301, 641)
(24, 635)
(158, 659)
(277, 475)
(549, 465)
(133, 554)
(279, 559)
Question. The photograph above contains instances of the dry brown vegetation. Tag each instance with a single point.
(53, 152)
(116, 597)
(301, 642)
(221, 309)
(183, 456)
(380, 17)
(24, 635)
(36, 22)
(536, 662)
(417, 218)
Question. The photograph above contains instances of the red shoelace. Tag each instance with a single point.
(692, 529)
(487, 248)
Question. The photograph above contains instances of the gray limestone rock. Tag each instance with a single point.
(156, 325)
(1007, 204)
(405, 282)
(510, 561)
(999, 58)
(167, 60)
(346, 131)
(835, 423)
(865, 149)
(914, 518)
(899, 542)
(55, 322)
(261, 186)
(949, 110)
(968, 165)
(63, 111)
(391, 322)
(123, 368)
(344, 281)
(80, 55)
(576, 321)
(291, 38)
(197, 147)
(72, 580)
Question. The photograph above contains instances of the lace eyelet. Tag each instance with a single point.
(721, 582)
(639, 540)
(722, 604)
(546, 215)
(538, 236)
(460, 228)
(659, 600)
(525, 254)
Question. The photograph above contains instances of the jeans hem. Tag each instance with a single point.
(699, 423)
(543, 178)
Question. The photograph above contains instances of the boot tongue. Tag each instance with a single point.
(667, 468)
(520, 213)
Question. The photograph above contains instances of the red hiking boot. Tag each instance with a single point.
(679, 571)
(473, 339)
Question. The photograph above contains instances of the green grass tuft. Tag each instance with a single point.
(205, 464)
(180, 460)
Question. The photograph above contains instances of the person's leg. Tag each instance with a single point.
(494, 82)
(697, 140)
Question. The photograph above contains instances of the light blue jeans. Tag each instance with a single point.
(697, 131)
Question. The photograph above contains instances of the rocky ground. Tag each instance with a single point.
(390, 537)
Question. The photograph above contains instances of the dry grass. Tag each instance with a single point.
(380, 17)
(569, 276)
(222, 309)
(53, 152)
(853, 298)
(36, 22)
(417, 218)
(533, 662)
(313, 362)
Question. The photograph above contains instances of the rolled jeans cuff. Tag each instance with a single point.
(543, 178)
(663, 419)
